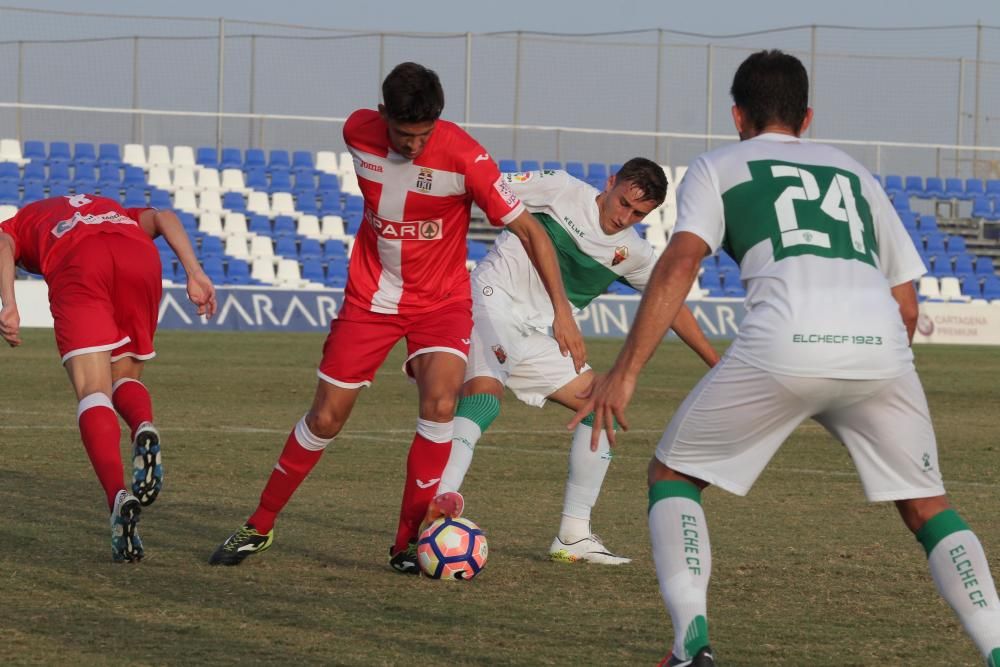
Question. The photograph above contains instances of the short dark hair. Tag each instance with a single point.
(772, 87)
(412, 93)
(645, 175)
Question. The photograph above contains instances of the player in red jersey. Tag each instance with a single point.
(407, 278)
(103, 274)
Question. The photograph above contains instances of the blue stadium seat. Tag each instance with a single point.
(934, 244)
(284, 226)
(167, 268)
(211, 246)
(109, 154)
(235, 202)
(727, 263)
(34, 150)
(336, 274)
(84, 177)
(32, 192)
(312, 270)
(329, 203)
(256, 179)
(34, 172)
(552, 164)
(984, 265)
(507, 165)
(133, 176)
(238, 272)
(254, 158)
(597, 182)
(963, 267)
(302, 163)
(530, 165)
(214, 269)
(893, 184)
(160, 199)
(991, 287)
(59, 152)
(84, 153)
(110, 178)
(260, 224)
(310, 249)
(281, 181)
(993, 188)
(352, 222)
(928, 223)
(188, 222)
(334, 249)
(305, 181)
(955, 244)
(59, 189)
(575, 169)
(59, 173)
(711, 280)
(354, 203)
(285, 246)
(973, 188)
(10, 171)
(909, 219)
(615, 168)
(982, 207)
(279, 160)
(597, 170)
(914, 186)
(134, 198)
(953, 188)
(328, 184)
(231, 159)
(735, 291)
(476, 250)
(207, 156)
(933, 189)
(305, 203)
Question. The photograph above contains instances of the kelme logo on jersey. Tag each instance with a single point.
(621, 254)
(425, 179)
(501, 353)
(393, 230)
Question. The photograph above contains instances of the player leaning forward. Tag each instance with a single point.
(419, 176)
(829, 272)
(596, 243)
(103, 274)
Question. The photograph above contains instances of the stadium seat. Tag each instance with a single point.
(284, 226)
(161, 199)
(184, 178)
(236, 247)
(10, 151)
(234, 224)
(984, 266)
(335, 250)
(7, 211)
(955, 244)
(278, 160)
(305, 181)
(232, 181)
(263, 271)
(259, 224)
(34, 150)
(207, 156)
(530, 165)
(209, 202)
(183, 157)
(33, 192)
(305, 203)
(312, 271)
(261, 247)
(328, 184)
(302, 163)
(234, 202)
(914, 186)
(210, 223)
(208, 180)
(134, 197)
(901, 201)
(184, 200)
(597, 170)
(332, 227)
(326, 162)
(258, 203)
(34, 172)
(213, 269)
(231, 158)
(59, 173)
(59, 188)
(909, 219)
(84, 153)
(973, 188)
(308, 226)
(476, 250)
(993, 189)
(982, 207)
(288, 274)
(951, 290)
(254, 157)
(953, 188)
(507, 165)
(991, 288)
(575, 169)
(933, 189)
(135, 155)
(927, 224)
(963, 267)
(238, 272)
(158, 156)
(352, 222)
(281, 181)
(893, 184)
(159, 177)
(85, 177)
(59, 152)
(109, 154)
(133, 176)
(929, 289)
(211, 246)
(10, 172)
(256, 179)
(282, 203)
(552, 164)
(310, 248)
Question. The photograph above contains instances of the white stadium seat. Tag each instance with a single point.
(210, 202)
(951, 290)
(309, 226)
(185, 201)
(184, 178)
(282, 203)
(7, 211)
(261, 247)
(135, 155)
(10, 151)
(288, 274)
(210, 223)
(326, 161)
(159, 177)
(236, 247)
(159, 156)
(235, 224)
(183, 157)
(232, 181)
(263, 270)
(929, 288)
(208, 180)
(333, 227)
(259, 204)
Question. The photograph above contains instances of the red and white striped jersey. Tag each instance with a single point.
(409, 254)
(44, 231)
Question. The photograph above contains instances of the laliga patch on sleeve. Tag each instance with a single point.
(517, 176)
(506, 193)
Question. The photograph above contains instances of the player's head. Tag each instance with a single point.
(771, 94)
(630, 194)
(412, 101)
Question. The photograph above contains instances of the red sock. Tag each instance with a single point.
(131, 400)
(101, 433)
(301, 453)
(426, 461)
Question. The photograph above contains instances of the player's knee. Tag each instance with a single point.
(324, 423)
(438, 408)
(915, 512)
(660, 472)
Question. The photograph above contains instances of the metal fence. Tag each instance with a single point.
(911, 100)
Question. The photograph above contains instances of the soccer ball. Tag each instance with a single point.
(452, 549)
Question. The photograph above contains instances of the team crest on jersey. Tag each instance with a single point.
(425, 179)
(501, 353)
(621, 254)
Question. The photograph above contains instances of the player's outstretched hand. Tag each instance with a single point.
(567, 334)
(201, 291)
(10, 325)
(607, 398)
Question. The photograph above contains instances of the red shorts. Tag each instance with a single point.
(359, 340)
(105, 296)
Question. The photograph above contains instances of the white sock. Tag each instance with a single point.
(683, 556)
(587, 470)
(463, 445)
(962, 574)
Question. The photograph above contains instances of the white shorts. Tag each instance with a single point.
(737, 417)
(527, 361)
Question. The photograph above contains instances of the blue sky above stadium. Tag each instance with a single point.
(559, 15)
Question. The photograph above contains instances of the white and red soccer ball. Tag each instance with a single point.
(452, 549)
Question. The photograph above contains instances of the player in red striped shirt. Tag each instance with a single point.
(407, 279)
(103, 273)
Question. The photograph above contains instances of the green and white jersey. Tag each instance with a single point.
(819, 246)
(589, 259)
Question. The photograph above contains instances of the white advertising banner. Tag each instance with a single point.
(33, 303)
(958, 323)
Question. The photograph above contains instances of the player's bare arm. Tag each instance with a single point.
(539, 249)
(905, 295)
(663, 297)
(687, 329)
(200, 289)
(10, 319)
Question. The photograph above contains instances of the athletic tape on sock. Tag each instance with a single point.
(307, 439)
(94, 400)
(438, 432)
(479, 408)
(120, 381)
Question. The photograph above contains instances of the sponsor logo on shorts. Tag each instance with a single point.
(926, 460)
(487, 291)
(508, 196)
(425, 179)
(416, 230)
(370, 166)
(63, 227)
(925, 324)
(621, 254)
(501, 353)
